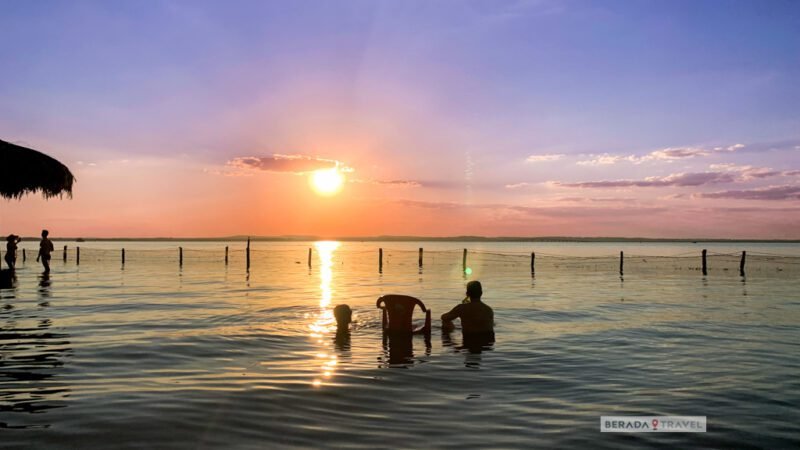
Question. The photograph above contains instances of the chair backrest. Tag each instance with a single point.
(398, 311)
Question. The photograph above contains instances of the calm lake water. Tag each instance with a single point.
(153, 355)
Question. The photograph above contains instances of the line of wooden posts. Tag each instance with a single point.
(704, 255)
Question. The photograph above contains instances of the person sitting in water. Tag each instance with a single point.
(476, 317)
(11, 250)
(344, 316)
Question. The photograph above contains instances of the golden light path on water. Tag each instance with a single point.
(324, 322)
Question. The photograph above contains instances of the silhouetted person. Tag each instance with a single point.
(45, 248)
(11, 250)
(344, 317)
(476, 317)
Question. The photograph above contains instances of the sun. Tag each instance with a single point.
(327, 182)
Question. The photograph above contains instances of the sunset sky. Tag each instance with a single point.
(494, 118)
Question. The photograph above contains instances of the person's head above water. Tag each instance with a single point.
(45, 233)
(474, 291)
(343, 315)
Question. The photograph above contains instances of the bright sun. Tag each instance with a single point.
(327, 182)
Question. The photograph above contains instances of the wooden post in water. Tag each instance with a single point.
(226, 255)
(180, 256)
(309, 257)
(78, 256)
(705, 267)
(65, 253)
(621, 261)
(533, 263)
(248, 254)
(24, 256)
(741, 264)
(123, 256)
(380, 260)
(464, 261)
(420, 257)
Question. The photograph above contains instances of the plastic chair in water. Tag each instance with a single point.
(398, 311)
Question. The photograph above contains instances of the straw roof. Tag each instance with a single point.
(25, 171)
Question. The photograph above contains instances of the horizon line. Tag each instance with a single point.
(465, 238)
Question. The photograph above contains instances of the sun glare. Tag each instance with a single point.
(327, 182)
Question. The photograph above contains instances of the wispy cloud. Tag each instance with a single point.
(546, 211)
(398, 183)
(785, 192)
(298, 164)
(678, 179)
(517, 185)
(544, 158)
(606, 159)
(749, 172)
(667, 154)
(719, 173)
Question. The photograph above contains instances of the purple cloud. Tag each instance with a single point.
(550, 211)
(666, 154)
(678, 179)
(786, 192)
(298, 164)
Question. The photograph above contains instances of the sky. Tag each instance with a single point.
(675, 119)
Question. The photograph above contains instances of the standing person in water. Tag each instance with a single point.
(11, 250)
(476, 317)
(45, 248)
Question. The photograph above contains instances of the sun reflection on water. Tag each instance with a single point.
(324, 322)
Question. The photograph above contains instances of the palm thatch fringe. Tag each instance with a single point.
(26, 171)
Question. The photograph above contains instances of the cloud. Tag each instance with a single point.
(628, 200)
(544, 158)
(678, 179)
(399, 183)
(667, 154)
(297, 164)
(785, 192)
(517, 185)
(751, 173)
(549, 211)
(748, 172)
(676, 153)
(720, 173)
(607, 159)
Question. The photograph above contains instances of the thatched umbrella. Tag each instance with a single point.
(25, 171)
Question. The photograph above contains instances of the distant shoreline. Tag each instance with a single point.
(417, 239)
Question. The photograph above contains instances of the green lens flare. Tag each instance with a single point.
(468, 271)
